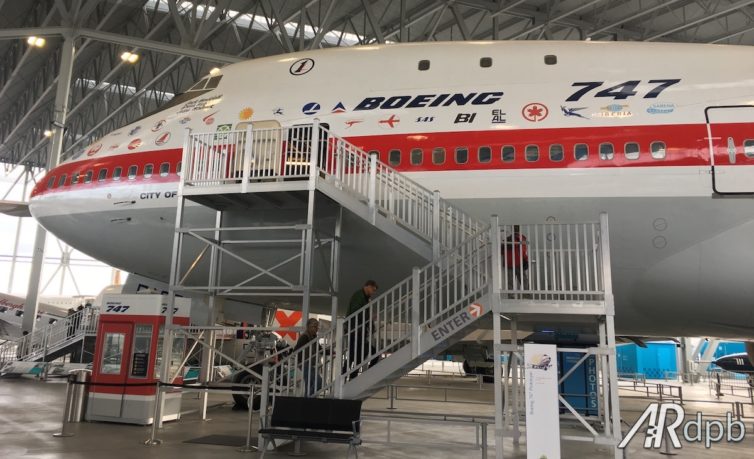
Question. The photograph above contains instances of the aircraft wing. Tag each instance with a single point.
(15, 208)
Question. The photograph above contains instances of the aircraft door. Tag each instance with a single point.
(730, 131)
(266, 148)
(112, 367)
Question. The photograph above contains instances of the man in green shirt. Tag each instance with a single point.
(359, 329)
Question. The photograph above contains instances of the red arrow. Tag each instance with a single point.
(475, 310)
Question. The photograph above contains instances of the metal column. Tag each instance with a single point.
(309, 239)
(497, 336)
(67, 55)
(208, 357)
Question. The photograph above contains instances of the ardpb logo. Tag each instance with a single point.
(696, 430)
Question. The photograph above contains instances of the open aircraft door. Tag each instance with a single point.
(266, 147)
(730, 132)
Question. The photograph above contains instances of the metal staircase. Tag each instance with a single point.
(54, 340)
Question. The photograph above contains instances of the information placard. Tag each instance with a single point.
(542, 417)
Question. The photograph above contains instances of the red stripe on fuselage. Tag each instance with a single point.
(687, 145)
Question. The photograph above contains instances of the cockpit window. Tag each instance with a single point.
(202, 86)
(213, 82)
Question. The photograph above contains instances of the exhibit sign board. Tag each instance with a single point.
(542, 414)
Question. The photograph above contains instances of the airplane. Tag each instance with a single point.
(392, 121)
(667, 151)
(50, 310)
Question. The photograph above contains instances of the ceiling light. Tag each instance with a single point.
(37, 42)
(214, 71)
(48, 133)
(129, 57)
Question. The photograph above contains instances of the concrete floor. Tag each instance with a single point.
(30, 413)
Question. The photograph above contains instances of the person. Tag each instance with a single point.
(309, 359)
(70, 324)
(358, 328)
(516, 259)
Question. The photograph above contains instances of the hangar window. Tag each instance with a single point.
(631, 149)
(417, 156)
(148, 169)
(423, 64)
(102, 175)
(116, 173)
(485, 62)
(556, 152)
(394, 157)
(178, 167)
(61, 182)
(607, 151)
(438, 155)
(164, 169)
(658, 150)
(75, 178)
(89, 176)
(462, 155)
(581, 151)
(508, 153)
(532, 153)
(51, 182)
(749, 148)
(132, 172)
(484, 154)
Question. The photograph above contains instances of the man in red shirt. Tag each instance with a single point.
(516, 259)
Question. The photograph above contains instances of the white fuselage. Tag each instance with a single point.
(624, 128)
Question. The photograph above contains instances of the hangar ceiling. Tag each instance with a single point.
(180, 41)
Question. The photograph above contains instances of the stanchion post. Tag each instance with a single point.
(65, 429)
(248, 447)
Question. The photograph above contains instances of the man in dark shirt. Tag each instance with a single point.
(359, 329)
(309, 358)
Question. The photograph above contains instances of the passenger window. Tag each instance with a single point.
(556, 152)
(462, 155)
(164, 169)
(484, 154)
(116, 173)
(607, 151)
(102, 175)
(394, 157)
(581, 151)
(631, 150)
(532, 153)
(132, 172)
(148, 169)
(61, 182)
(89, 176)
(508, 153)
(658, 150)
(51, 182)
(75, 178)
(178, 167)
(749, 148)
(485, 62)
(417, 156)
(438, 155)
(424, 64)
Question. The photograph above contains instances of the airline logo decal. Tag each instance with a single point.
(350, 123)
(288, 319)
(184, 120)
(464, 118)
(245, 114)
(113, 146)
(339, 108)
(134, 144)
(390, 122)
(660, 109)
(573, 112)
(498, 116)
(209, 119)
(614, 111)
(158, 125)
(301, 67)
(7, 304)
(134, 130)
(535, 112)
(429, 100)
(94, 149)
(425, 119)
(278, 111)
(163, 139)
(115, 133)
(311, 108)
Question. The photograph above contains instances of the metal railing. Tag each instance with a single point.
(552, 261)
(284, 153)
(51, 338)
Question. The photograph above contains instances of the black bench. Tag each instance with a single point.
(314, 419)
